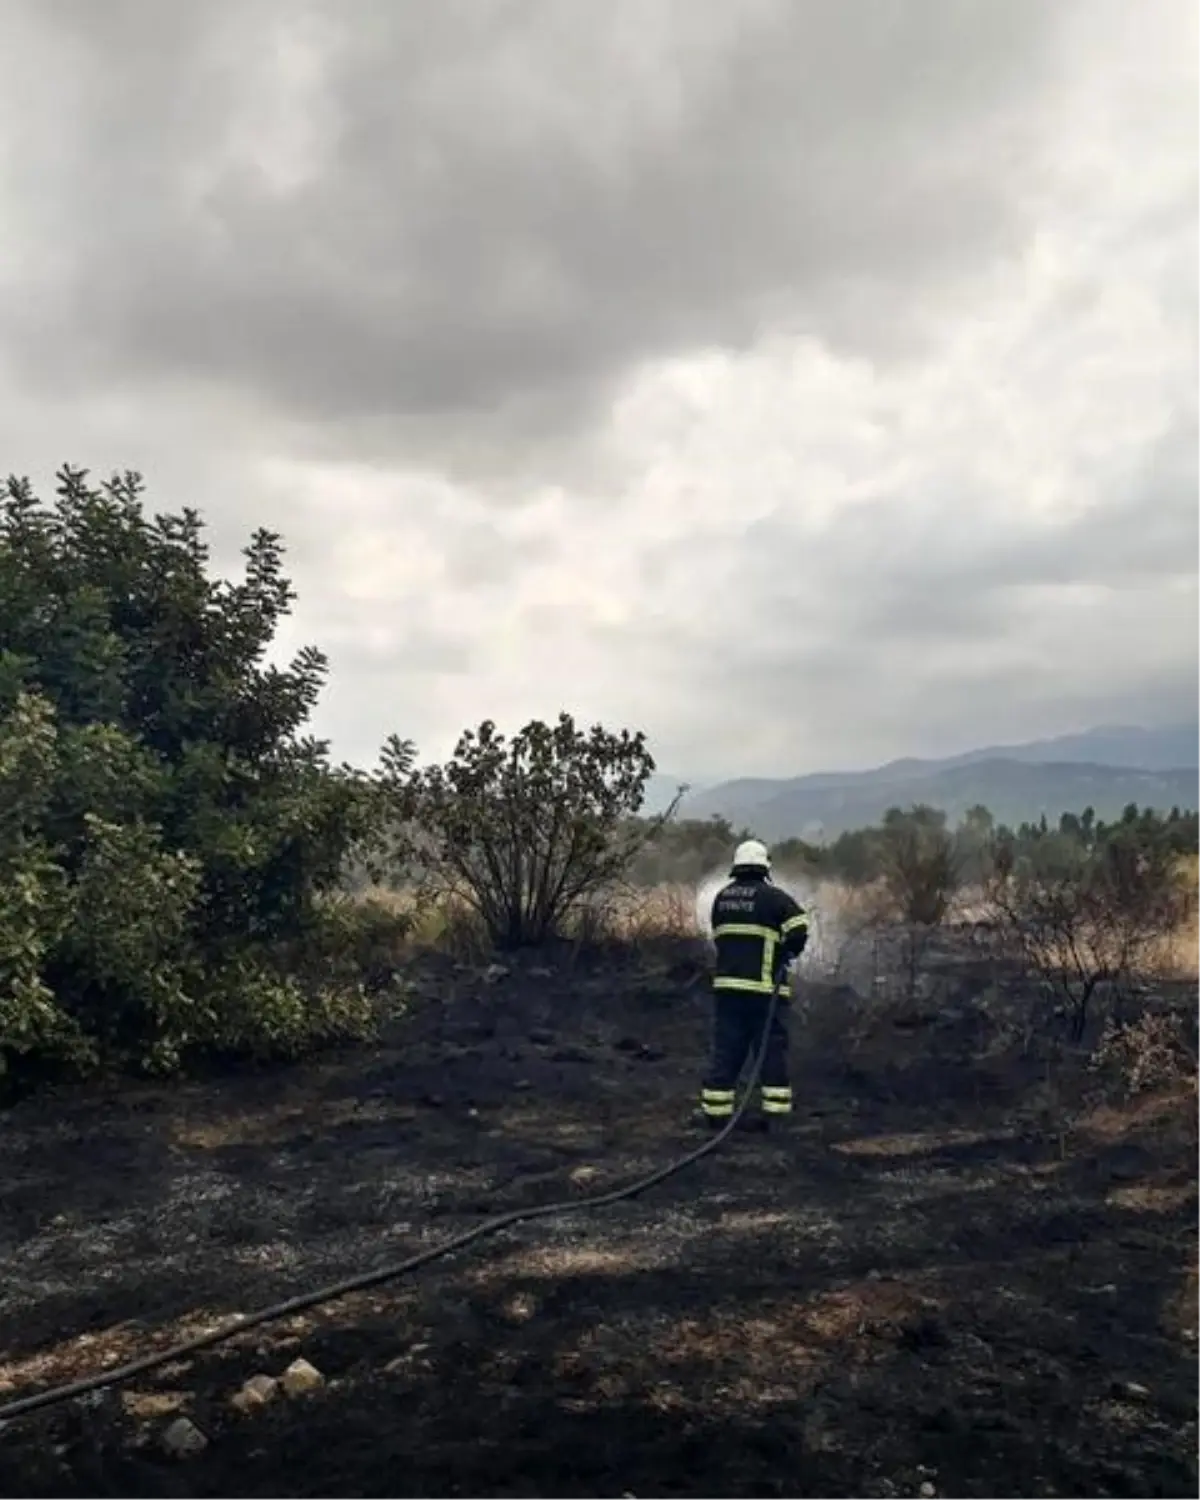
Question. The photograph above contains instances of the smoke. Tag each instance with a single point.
(826, 939)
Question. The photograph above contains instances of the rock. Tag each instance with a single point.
(542, 1036)
(541, 972)
(494, 973)
(874, 1275)
(432, 1101)
(581, 1176)
(1132, 1390)
(522, 1085)
(927, 1490)
(652, 1054)
(628, 1044)
(183, 1439)
(300, 1378)
(258, 1391)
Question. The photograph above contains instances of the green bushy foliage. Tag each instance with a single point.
(522, 831)
(164, 827)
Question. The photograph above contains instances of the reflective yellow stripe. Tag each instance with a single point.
(768, 965)
(777, 1091)
(753, 986)
(770, 937)
(776, 1106)
(793, 924)
(718, 1096)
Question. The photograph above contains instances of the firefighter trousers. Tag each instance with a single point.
(738, 1022)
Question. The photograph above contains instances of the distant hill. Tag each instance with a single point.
(1016, 782)
(1173, 748)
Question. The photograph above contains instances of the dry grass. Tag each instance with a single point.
(844, 918)
(1180, 957)
(624, 914)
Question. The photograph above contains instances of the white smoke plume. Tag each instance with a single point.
(826, 939)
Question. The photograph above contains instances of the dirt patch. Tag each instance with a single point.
(911, 1286)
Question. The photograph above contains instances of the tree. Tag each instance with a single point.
(684, 850)
(855, 856)
(920, 864)
(166, 831)
(972, 840)
(525, 830)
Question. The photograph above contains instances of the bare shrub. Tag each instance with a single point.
(1081, 918)
(1155, 1051)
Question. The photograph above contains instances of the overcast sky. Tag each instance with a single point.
(807, 382)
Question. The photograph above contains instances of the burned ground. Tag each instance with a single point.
(943, 1275)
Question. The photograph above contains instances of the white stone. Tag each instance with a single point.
(300, 1377)
(257, 1391)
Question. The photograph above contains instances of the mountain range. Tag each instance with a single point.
(1104, 768)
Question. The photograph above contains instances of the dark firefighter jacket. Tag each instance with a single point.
(756, 928)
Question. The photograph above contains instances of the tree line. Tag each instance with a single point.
(688, 849)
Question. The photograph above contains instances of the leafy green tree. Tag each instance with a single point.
(165, 829)
(856, 856)
(685, 850)
(524, 830)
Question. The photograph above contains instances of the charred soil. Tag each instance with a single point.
(924, 1282)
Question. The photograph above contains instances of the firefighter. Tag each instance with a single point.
(758, 930)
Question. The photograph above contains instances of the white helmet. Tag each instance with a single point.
(752, 855)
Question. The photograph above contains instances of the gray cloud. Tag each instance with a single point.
(504, 207)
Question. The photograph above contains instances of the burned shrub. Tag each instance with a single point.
(1081, 917)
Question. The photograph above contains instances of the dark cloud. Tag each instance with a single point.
(509, 205)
